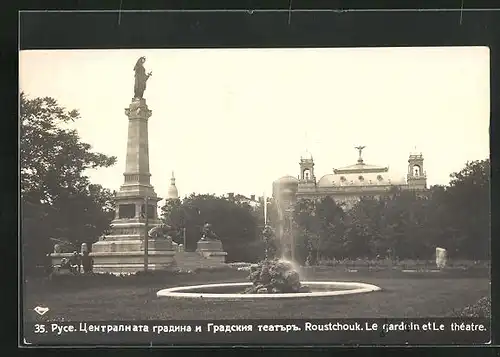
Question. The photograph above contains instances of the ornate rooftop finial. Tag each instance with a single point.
(306, 154)
(360, 151)
(415, 152)
(172, 180)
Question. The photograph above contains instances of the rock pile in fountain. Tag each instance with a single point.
(273, 275)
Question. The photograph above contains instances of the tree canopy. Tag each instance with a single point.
(234, 221)
(57, 198)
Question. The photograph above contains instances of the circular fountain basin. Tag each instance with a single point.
(320, 289)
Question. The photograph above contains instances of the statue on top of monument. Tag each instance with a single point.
(141, 77)
(207, 233)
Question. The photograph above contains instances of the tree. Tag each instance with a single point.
(174, 216)
(357, 234)
(331, 217)
(405, 226)
(235, 224)
(57, 198)
(321, 225)
(365, 229)
(86, 214)
(467, 200)
(274, 216)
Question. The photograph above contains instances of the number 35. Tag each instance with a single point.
(39, 328)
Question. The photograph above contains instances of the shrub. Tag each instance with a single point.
(482, 308)
(274, 276)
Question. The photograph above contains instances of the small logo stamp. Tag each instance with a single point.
(40, 310)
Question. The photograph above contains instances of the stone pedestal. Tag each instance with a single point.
(211, 249)
(123, 250)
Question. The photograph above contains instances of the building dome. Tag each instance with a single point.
(326, 181)
(287, 180)
(172, 192)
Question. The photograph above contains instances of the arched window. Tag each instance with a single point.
(416, 170)
(307, 174)
(379, 177)
(361, 178)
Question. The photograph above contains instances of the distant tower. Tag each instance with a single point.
(306, 165)
(416, 178)
(172, 193)
(307, 168)
(307, 179)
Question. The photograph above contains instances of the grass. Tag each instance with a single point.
(94, 298)
(403, 264)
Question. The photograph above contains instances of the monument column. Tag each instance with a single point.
(123, 250)
(136, 176)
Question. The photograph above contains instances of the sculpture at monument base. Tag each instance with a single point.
(161, 231)
(209, 246)
(207, 233)
(63, 251)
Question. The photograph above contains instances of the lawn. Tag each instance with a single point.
(403, 294)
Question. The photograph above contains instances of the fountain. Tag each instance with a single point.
(272, 278)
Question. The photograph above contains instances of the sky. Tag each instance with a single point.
(234, 120)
